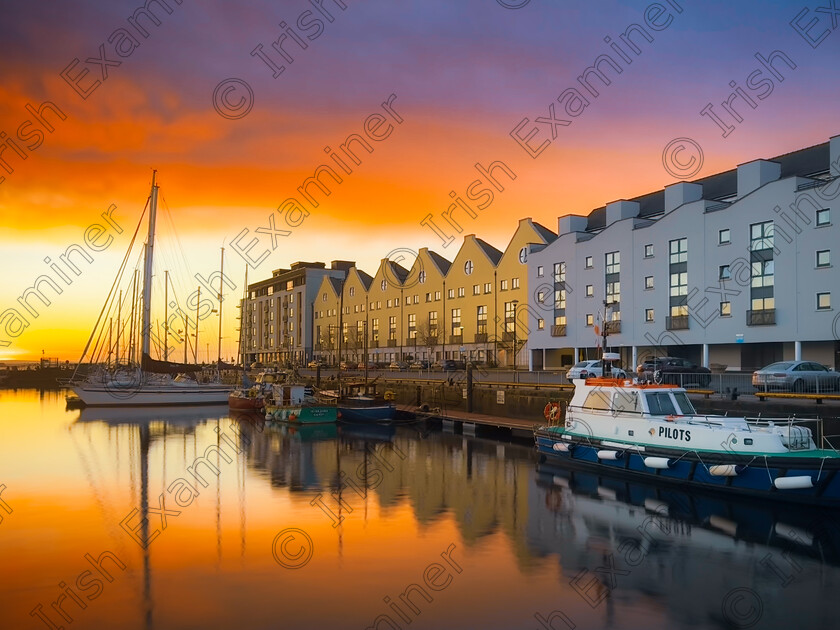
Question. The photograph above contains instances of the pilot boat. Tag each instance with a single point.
(651, 430)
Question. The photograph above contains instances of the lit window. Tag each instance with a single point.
(726, 309)
(514, 283)
(540, 324)
(590, 290)
(421, 277)
(437, 296)
(352, 291)
(504, 285)
(428, 297)
(560, 271)
(761, 236)
(383, 285)
(461, 292)
(824, 258)
(724, 236)
(588, 262)
(678, 250)
(540, 296)
(488, 287)
(823, 217)
(476, 289)
(539, 271)
(450, 294)
(648, 282)
(468, 267)
(590, 319)
(648, 251)
(823, 301)
(723, 272)
(648, 314)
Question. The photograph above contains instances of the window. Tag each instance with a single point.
(437, 296)
(559, 320)
(726, 309)
(324, 297)
(392, 327)
(560, 298)
(433, 325)
(588, 262)
(823, 301)
(761, 236)
(648, 314)
(488, 287)
(624, 400)
(421, 277)
(763, 304)
(590, 290)
(412, 325)
(383, 285)
(590, 319)
(540, 271)
(514, 284)
(374, 330)
(724, 237)
(823, 217)
(468, 267)
(648, 251)
(389, 304)
(598, 399)
(456, 321)
(503, 285)
(352, 291)
(540, 324)
(679, 284)
(481, 320)
(541, 297)
(510, 316)
(824, 258)
(660, 404)
(461, 292)
(407, 300)
(476, 289)
(723, 272)
(560, 272)
(648, 282)
(428, 297)
(762, 274)
(614, 295)
(678, 249)
(451, 294)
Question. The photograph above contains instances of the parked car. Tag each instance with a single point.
(349, 365)
(398, 366)
(316, 364)
(419, 365)
(372, 365)
(592, 368)
(676, 371)
(797, 376)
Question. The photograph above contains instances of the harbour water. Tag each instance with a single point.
(191, 518)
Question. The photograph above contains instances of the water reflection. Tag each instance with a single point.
(380, 504)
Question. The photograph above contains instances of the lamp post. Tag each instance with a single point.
(515, 304)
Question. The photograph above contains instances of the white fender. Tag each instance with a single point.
(791, 483)
(724, 470)
(611, 455)
(658, 462)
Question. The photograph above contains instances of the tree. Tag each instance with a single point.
(428, 337)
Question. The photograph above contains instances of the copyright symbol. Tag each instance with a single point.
(404, 257)
(742, 607)
(513, 4)
(682, 158)
(292, 548)
(835, 327)
(233, 107)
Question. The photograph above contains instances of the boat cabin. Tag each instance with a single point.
(287, 395)
(625, 396)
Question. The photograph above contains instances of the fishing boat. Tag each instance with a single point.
(294, 404)
(253, 397)
(360, 402)
(149, 381)
(651, 430)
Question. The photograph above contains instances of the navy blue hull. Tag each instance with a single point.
(367, 414)
(756, 476)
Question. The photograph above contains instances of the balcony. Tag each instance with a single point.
(766, 317)
(507, 335)
(392, 343)
(481, 338)
(411, 341)
(613, 327)
(676, 322)
(374, 343)
(456, 339)
(558, 330)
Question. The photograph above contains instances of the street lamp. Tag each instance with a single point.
(515, 304)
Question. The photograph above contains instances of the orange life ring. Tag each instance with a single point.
(551, 411)
(670, 418)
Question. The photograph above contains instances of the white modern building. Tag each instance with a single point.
(736, 270)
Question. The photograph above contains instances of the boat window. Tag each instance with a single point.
(660, 404)
(626, 400)
(684, 404)
(598, 399)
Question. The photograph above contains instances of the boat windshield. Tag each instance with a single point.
(685, 404)
(660, 404)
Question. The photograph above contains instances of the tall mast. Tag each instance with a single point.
(166, 318)
(147, 272)
(119, 327)
(197, 303)
(221, 299)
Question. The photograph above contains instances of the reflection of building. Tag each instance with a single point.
(732, 269)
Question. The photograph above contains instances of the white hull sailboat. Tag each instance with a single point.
(150, 383)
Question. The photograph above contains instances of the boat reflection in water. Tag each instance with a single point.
(706, 559)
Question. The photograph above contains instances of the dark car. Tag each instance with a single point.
(676, 371)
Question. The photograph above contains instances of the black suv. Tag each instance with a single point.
(676, 371)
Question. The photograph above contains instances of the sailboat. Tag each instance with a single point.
(151, 382)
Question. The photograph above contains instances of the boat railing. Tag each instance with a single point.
(827, 444)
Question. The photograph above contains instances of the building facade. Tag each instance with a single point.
(734, 270)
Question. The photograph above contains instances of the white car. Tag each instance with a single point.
(590, 369)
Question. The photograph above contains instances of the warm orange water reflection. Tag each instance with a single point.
(513, 535)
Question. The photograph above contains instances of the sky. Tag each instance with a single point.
(424, 90)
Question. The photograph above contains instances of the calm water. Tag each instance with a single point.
(383, 528)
